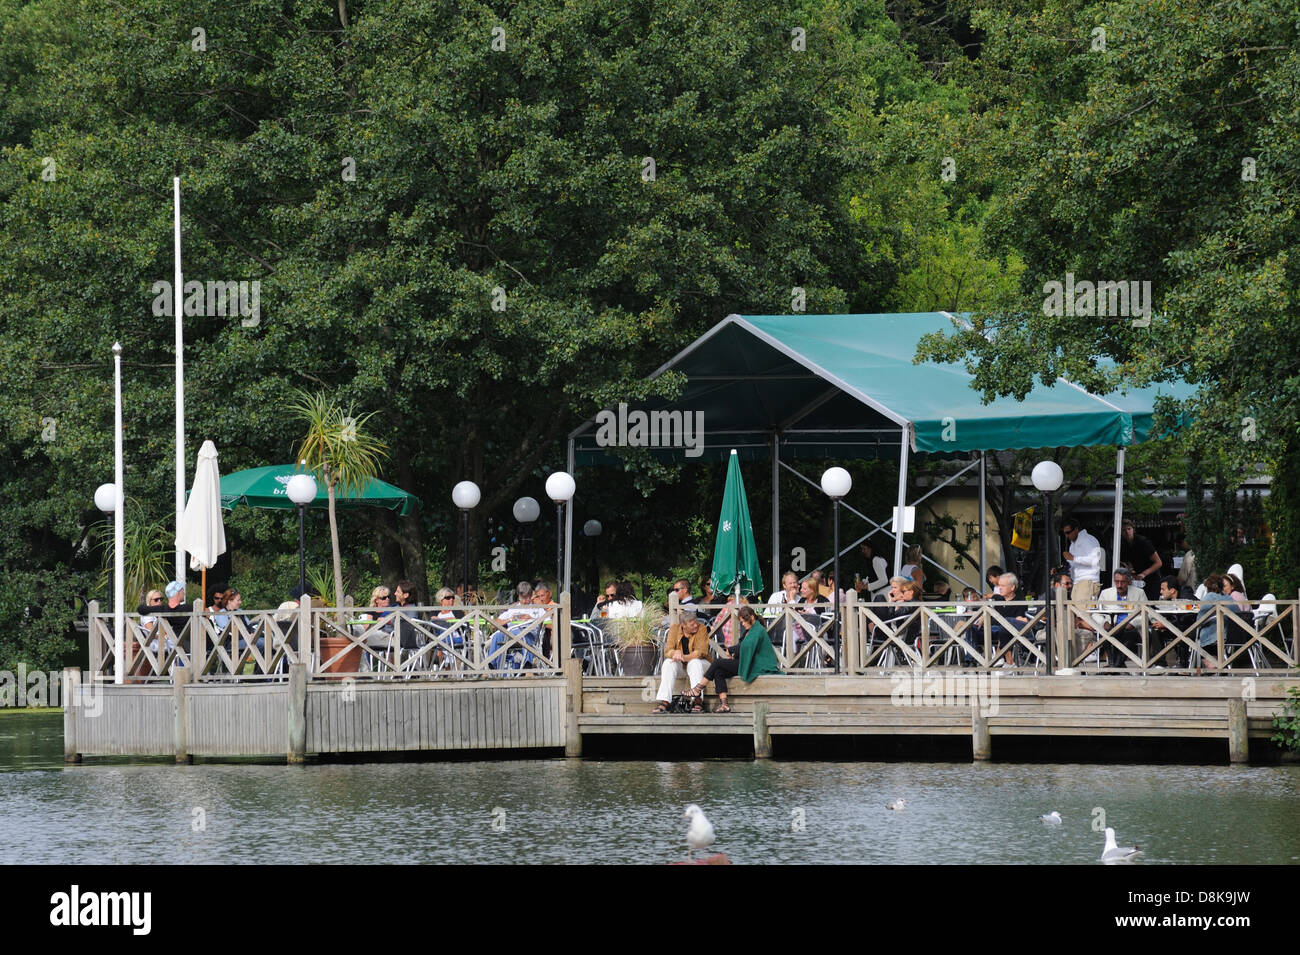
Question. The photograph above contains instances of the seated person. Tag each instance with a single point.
(1014, 612)
(901, 588)
(174, 612)
(516, 619)
(810, 618)
(1172, 608)
(942, 592)
(751, 659)
(1216, 592)
(1116, 606)
(687, 647)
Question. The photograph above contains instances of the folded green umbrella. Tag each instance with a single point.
(735, 555)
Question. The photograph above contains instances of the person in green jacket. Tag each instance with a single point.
(755, 658)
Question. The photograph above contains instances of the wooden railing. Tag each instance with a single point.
(358, 642)
(499, 641)
(1091, 637)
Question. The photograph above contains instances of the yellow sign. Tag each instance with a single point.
(1022, 530)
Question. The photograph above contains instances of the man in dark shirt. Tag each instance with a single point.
(1140, 554)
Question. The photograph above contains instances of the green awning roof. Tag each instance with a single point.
(845, 385)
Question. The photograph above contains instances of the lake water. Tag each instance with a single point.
(548, 811)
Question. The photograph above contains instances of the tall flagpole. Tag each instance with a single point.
(119, 525)
(177, 285)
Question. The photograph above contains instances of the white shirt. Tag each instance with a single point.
(1109, 602)
(619, 610)
(879, 576)
(1088, 557)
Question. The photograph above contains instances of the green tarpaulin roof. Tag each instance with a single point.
(844, 385)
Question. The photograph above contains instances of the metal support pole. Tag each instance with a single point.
(1119, 510)
(776, 511)
(464, 541)
(984, 555)
(1047, 580)
(905, 446)
(559, 545)
(836, 627)
(568, 526)
(302, 549)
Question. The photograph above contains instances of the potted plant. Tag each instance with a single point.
(635, 638)
(333, 644)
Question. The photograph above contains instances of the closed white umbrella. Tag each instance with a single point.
(202, 532)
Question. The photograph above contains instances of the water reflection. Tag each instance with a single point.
(573, 811)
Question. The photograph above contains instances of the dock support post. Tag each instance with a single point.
(71, 694)
(297, 752)
(572, 707)
(852, 661)
(180, 730)
(762, 738)
(981, 744)
(1238, 741)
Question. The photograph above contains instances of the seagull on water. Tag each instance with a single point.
(1053, 818)
(896, 805)
(1114, 853)
(700, 833)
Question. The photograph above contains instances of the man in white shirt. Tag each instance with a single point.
(1086, 557)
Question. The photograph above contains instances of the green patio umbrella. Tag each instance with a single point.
(735, 556)
(267, 487)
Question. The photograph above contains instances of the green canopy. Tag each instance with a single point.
(267, 487)
(847, 385)
(735, 555)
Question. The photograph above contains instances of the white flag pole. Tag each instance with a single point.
(177, 285)
(119, 526)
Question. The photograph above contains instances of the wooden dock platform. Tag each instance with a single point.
(297, 719)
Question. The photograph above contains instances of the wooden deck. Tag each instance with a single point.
(298, 719)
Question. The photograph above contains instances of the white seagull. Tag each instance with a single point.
(700, 833)
(1053, 818)
(1114, 853)
(896, 805)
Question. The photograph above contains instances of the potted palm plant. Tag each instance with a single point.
(636, 639)
(345, 454)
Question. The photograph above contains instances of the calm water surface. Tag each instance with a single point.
(627, 812)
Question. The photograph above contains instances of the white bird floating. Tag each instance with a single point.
(699, 835)
(1114, 853)
(897, 805)
(1053, 818)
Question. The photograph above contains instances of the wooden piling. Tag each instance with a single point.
(762, 738)
(981, 744)
(297, 742)
(71, 696)
(1238, 741)
(572, 708)
(180, 727)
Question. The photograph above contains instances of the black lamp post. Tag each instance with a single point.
(466, 496)
(1047, 477)
(526, 511)
(302, 491)
(836, 483)
(559, 488)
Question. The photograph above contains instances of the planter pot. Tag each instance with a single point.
(638, 661)
(346, 665)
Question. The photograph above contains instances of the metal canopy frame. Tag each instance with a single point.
(788, 432)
